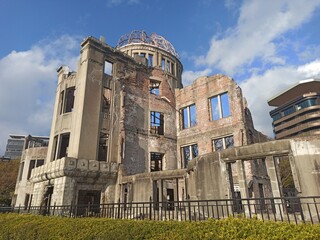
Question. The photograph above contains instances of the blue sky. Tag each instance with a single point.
(265, 46)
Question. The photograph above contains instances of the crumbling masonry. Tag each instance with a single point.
(125, 128)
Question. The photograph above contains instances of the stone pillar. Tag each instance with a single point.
(272, 173)
(242, 179)
(159, 59)
(275, 186)
(294, 173)
(161, 191)
(230, 179)
(243, 185)
(177, 189)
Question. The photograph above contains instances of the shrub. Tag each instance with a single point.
(24, 226)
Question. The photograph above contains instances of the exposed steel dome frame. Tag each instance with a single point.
(138, 36)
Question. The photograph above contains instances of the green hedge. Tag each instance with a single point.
(24, 226)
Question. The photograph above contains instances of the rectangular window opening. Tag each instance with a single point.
(150, 60)
(189, 117)
(31, 166)
(64, 144)
(154, 87)
(173, 69)
(219, 106)
(163, 63)
(156, 123)
(69, 99)
(187, 153)
(223, 143)
(108, 68)
(103, 147)
(156, 161)
(168, 66)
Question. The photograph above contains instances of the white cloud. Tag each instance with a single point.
(259, 88)
(260, 24)
(253, 48)
(189, 76)
(28, 83)
(311, 69)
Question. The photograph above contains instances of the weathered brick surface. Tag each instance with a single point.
(199, 93)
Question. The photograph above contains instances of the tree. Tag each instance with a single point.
(8, 177)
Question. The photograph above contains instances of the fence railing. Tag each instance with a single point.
(289, 209)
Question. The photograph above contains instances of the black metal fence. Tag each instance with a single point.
(289, 209)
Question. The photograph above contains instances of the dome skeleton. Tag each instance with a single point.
(154, 39)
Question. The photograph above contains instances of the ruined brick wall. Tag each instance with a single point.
(139, 142)
(206, 130)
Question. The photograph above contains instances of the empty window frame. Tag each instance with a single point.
(173, 69)
(168, 66)
(219, 106)
(163, 64)
(187, 153)
(103, 147)
(189, 117)
(55, 145)
(154, 87)
(108, 68)
(156, 161)
(150, 60)
(222, 143)
(64, 144)
(31, 166)
(67, 100)
(34, 164)
(156, 123)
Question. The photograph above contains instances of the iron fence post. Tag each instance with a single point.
(119, 208)
(189, 207)
(54, 208)
(150, 207)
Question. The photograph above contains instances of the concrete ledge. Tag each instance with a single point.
(255, 151)
(73, 167)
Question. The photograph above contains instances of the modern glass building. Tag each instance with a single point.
(14, 146)
(297, 111)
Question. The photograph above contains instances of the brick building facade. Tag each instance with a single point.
(125, 128)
